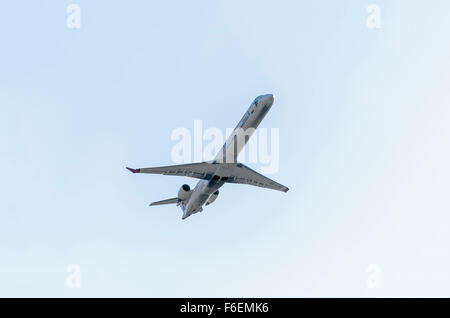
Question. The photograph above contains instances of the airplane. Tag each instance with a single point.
(223, 169)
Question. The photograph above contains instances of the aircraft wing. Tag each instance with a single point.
(244, 175)
(201, 170)
(227, 172)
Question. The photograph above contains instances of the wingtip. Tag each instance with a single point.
(134, 170)
(286, 190)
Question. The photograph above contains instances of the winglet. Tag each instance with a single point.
(134, 170)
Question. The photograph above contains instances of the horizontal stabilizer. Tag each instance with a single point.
(168, 201)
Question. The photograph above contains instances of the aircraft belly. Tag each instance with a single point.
(233, 147)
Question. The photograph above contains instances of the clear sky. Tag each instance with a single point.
(364, 120)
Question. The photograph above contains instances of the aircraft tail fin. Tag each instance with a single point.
(168, 201)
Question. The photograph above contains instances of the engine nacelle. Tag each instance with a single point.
(184, 192)
(212, 197)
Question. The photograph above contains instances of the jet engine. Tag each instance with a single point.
(212, 197)
(184, 192)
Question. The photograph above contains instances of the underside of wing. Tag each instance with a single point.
(242, 174)
(227, 172)
(202, 170)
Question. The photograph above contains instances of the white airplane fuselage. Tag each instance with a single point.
(229, 152)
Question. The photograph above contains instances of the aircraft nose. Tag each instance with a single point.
(269, 98)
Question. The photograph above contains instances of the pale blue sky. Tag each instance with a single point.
(364, 125)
